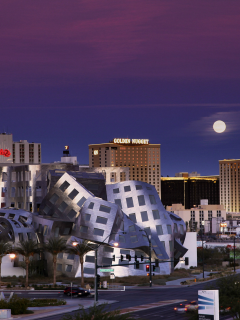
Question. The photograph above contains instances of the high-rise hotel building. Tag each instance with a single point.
(21, 152)
(229, 174)
(142, 158)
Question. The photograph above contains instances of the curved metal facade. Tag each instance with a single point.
(132, 210)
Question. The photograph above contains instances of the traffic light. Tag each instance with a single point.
(186, 261)
(154, 268)
(137, 264)
(113, 257)
(148, 274)
(141, 258)
(128, 256)
(136, 257)
(121, 258)
(156, 263)
(147, 268)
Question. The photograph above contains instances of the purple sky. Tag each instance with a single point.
(81, 72)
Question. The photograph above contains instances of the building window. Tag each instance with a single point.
(54, 198)
(127, 188)
(87, 217)
(163, 243)
(59, 267)
(81, 202)
(91, 205)
(132, 228)
(169, 229)
(133, 238)
(181, 229)
(121, 238)
(83, 229)
(72, 214)
(141, 200)
(129, 202)
(116, 190)
(101, 220)
(152, 199)
(68, 268)
(64, 186)
(73, 194)
(175, 228)
(171, 246)
(62, 206)
(132, 216)
(159, 230)
(156, 214)
(104, 208)
(118, 202)
(138, 187)
(98, 232)
(70, 256)
(144, 216)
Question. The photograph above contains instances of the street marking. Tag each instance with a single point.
(149, 306)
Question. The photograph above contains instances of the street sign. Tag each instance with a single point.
(112, 276)
(106, 270)
(208, 305)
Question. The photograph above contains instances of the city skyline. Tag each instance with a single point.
(94, 71)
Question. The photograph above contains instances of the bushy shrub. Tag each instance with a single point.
(16, 304)
(46, 302)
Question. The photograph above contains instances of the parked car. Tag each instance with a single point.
(76, 291)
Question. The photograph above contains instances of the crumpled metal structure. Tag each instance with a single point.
(132, 213)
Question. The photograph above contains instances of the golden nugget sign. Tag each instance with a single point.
(131, 141)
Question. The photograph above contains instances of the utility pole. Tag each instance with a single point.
(150, 258)
(96, 278)
(234, 242)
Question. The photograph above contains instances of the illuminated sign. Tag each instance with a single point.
(66, 147)
(131, 141)
(5, 153)
(223, 225)
(95, 152)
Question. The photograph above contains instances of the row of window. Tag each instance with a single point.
(141, 201)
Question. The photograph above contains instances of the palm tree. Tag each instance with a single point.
(55, 246)
(80, 250)
(27, 249)
(5, 248)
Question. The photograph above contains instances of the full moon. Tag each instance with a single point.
(219, 126)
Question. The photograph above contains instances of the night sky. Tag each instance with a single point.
(81, 72)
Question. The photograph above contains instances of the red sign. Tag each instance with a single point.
(5, 153)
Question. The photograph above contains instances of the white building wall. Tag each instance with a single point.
(8, 270)
(190, 243)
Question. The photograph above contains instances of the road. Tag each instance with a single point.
(137, 297)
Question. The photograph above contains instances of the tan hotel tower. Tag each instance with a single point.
(142, 158)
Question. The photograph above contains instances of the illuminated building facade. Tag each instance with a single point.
(189, 190)
(142, 158)
(229, 171)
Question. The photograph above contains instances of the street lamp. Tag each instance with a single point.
(150, 256)
(12, 256)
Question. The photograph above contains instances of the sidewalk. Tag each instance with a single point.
(72, 305)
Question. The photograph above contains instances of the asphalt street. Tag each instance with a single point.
(133, 297)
